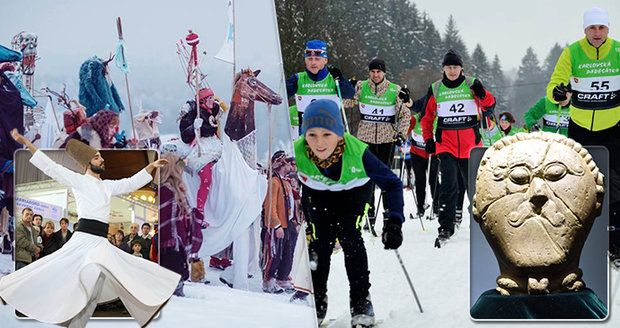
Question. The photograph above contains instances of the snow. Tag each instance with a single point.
(211, 305)
(440, 278)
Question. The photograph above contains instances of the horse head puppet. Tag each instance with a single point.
(247, 89)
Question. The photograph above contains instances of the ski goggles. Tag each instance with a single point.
(316, 53)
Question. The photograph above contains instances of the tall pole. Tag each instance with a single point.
(120, 39)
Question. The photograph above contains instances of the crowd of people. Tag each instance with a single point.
(35, 239)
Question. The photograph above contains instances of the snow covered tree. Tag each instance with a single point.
(432, 46)
(480, 67)
(452, 40)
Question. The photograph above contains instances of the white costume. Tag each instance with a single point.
(90, 269)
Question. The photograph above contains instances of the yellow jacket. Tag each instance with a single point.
(564, 70)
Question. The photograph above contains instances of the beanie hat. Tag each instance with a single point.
(80, 152)
(316, 48)
(376, 64)
(323, 113)
(452, 58)
(595, 16)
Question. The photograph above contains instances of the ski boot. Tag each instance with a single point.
(442, 239)
(362, 314)
(422, 210)
(320, 304)
(458, 218)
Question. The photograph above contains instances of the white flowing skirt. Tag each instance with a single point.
(57, 287)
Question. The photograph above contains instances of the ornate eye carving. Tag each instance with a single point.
(555, 171)
(519, 175)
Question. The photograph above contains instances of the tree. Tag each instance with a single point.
(452, 40)
(433, 48)
(529, 86)
(551, 60)
(498, 85)
(480, 67)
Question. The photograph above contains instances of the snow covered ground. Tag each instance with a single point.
(211, 305)
(440, 276)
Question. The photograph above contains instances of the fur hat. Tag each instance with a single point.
(80, 152)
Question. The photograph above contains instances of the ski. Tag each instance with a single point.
(440, 242)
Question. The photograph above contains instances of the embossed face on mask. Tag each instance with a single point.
(537, 196)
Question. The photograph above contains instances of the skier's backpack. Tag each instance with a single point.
(74, 117)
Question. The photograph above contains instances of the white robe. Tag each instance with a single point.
(90, 269)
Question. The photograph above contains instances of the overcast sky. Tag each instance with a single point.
(509, 27)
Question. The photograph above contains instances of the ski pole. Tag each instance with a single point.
(402, 265)
(344, 115)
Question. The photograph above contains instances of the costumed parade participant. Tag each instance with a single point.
(102, 271)
(335, 168)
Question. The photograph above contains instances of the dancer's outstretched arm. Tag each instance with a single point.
(23, 140)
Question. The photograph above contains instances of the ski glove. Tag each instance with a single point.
(399, 139)
(560, 91)
(478, 89)
(404, 94)
(335, 72)
(430, 146)
(392, 236)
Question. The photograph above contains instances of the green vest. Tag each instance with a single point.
(309, 90)
(456, 107)
(416, 133)
(352, 175)
(595, 103)
(292, 111)
(490, 137)
(556, 118)
(378, 109)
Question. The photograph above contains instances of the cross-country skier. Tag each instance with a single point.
(335, 168)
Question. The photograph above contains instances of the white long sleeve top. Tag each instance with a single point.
(93, 196)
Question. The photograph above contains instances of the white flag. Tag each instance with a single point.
(227, 53)
(49, 130)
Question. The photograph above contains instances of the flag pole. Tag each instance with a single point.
(120, 39)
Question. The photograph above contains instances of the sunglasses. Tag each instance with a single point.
(314, 52)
